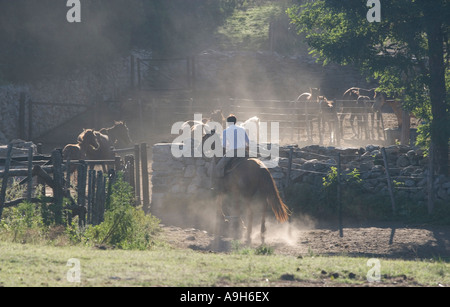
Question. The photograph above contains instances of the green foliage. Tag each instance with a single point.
(124, 226)
(323, 203)
(248, 28)
(22, 223)
(407, 52)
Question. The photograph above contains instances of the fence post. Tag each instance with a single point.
(137, 179)
(30, 172)
(288, 176)
(30, 119)
(5, 179)
(339, 196)
(111, 180)
(389, 180)
(58, 185)
(145, 181)
(129, 171)
(91, 190)
(99, 198)
(81, 201)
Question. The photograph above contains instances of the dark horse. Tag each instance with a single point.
(107, 138)
(87, 141)
(242, 181)
(118, 134)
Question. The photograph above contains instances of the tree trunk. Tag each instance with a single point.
(439, 126)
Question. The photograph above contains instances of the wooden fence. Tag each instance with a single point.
(392, 174)
(297, 122)
(92, 188)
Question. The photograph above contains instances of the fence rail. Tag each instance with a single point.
(93, 187)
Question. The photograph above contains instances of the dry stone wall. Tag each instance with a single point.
(83, 87)
(187, 179)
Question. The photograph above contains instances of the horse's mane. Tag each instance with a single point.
(83, 134)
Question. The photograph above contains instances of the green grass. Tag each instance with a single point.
(248, 29)
(42, 265)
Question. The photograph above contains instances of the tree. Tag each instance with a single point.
(406, 52)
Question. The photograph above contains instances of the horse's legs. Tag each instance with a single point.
(341, 124)
(236, 218)
(250, 223)
(366, 126)
(218, 229)
(372, 126)
(352, 119)
(263, 226)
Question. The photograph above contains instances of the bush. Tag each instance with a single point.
(124, 226)
(22, 223)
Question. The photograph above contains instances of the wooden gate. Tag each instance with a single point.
(176, 74)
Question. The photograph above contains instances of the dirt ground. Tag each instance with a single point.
(392, 241)
(382, 240)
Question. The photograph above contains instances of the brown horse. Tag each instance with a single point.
(107, 138)
(381, 99)
(328, 116)
(87, 141)
(356, 109)
(242, 181)
(310, 109)
(118, 134)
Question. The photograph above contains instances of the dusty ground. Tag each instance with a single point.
(387, 241)
(375, 241)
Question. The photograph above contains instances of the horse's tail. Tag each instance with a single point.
(270, 191)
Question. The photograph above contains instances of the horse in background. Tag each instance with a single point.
(203, 128)
(108, 138)
(350, 105)
(310, 108)
(382, 98)
(118, 134)
(87, 141)
(328, 116)
(362, 110)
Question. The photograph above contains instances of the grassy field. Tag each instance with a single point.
(41, 265)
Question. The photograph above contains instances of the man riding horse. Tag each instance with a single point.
(235, 144)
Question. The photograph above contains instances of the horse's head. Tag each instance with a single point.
(119, 134)
(88, 138)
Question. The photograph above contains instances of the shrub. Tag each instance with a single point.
(22, 223)
(124, 226)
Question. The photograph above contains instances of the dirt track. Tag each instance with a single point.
(387, 241)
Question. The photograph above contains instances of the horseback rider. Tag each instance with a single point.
(235, 143)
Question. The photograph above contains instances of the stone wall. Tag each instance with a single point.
(82, 87)
(179, 181)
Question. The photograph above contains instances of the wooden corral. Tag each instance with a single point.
(92, 187)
